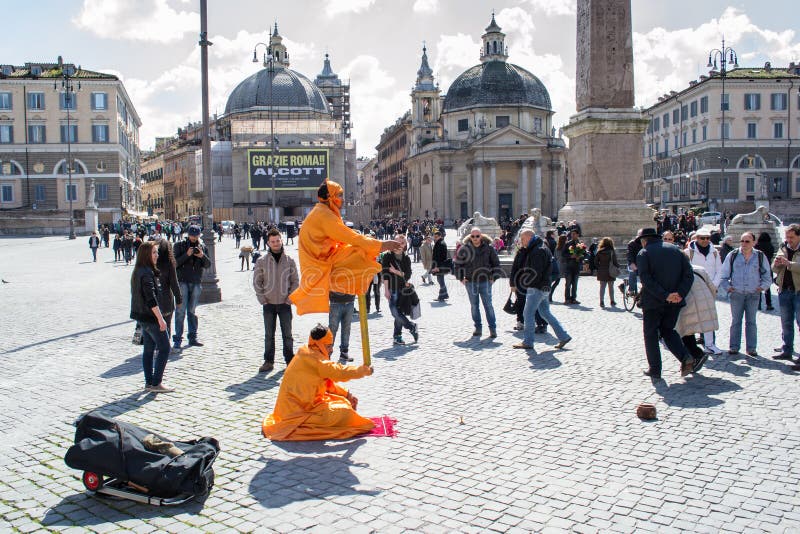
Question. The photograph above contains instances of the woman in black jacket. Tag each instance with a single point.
(764, 244)
(170, 295)
(145, 290)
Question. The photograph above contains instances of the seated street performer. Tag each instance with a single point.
(332, 256)
(310, 404)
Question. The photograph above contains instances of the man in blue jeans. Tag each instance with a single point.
(536, 264)
(787, 271)
(341, 314)
(477, 267)
(396, 273)
(190, 260)
(745, 275)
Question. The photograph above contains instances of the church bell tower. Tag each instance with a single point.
(426, 105)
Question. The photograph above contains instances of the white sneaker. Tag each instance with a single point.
(713, 349)
(520, 326)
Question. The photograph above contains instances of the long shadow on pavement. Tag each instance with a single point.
(302, 478)
(254, 384)
(76, 334)
(544, 361)
(394, 352)
(697, 392)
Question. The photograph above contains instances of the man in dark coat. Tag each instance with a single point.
(478, 267)
(190, 260)
(440, 264)
(667, 278)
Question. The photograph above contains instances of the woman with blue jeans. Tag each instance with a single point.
(145, 292)
(745, 275)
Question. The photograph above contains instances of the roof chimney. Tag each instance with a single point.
(60, 62)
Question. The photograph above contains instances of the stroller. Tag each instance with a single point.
(123, 460)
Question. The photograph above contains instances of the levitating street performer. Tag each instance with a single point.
(332, 256)
(311, 405)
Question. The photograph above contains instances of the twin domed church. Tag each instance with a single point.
(488, 145)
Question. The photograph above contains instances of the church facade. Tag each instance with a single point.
(488, 145)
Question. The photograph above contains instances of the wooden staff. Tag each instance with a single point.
(362, 318)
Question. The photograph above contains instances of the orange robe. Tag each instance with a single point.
(311, 405)
(332, 257)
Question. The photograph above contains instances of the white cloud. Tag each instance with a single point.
(554, 7)
(336, 7)
(667, 60)
(376, 101)
(426, 6)
(145, 20)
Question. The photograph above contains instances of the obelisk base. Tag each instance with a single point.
(606, 190)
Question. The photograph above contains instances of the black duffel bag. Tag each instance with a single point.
(115, 449)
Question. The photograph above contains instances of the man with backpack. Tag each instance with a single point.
(745, 275)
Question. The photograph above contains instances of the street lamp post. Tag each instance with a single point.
(69, 94)
(724, 55)
(210, 292)
(268, 62)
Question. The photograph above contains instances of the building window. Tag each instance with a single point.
(726, 102)
(35, 101)
(778, 101)
(726, 130)
(102, 191)
(694, 135)
(40, 193)
(726, 185)
(752, 101)
(99, 101)
(676, 117)
(71, 192)
(693, 109)
(751, 130)
(6, 133)
(99, 133)
(684, 113)
(36, 70)
(666, 146)
(685, 136)
(797, 184)
(72, 131)
(750, 186)
(463, 125)
(36, 134)
(705, 132)
(694, 187)
(656, 124)
(501, 121)
(665, 118)
(704, 104)
(676, 141)
(676, 190)
(777, 184)
(67, 100)
(777, 130)
(8, 193)
(5, 101)
(537, 124)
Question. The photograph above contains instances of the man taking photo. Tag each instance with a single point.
(190, 260)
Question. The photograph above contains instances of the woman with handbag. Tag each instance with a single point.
(145, 290)
(607, 268)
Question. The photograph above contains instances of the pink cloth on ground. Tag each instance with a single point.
(384, 427)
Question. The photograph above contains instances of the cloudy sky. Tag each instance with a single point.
(376, 44)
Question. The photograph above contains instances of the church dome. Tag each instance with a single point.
(291, 91)
(496, 83)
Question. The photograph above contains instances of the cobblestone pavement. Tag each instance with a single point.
(490, 437)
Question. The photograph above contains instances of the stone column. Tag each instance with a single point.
(470, 173)
(606, 191)
(491, 207)
(537, 186)
(477, 189)
(523, 188)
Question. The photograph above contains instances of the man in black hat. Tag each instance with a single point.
(190, 260)
(666, 277)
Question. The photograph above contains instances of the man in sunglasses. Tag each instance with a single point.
(477, 267)
(787, 270)
(745, 275)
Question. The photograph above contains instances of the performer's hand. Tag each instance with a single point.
(369, 370)
(353, 400)
(391, 245)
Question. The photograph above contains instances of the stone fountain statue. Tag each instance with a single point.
(488, 226)
(756, 221)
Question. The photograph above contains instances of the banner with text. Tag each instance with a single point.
(294, 169)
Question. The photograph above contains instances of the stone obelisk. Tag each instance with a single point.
(606, 190)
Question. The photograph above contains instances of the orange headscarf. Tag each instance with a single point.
(333, 201)
(321, 345)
